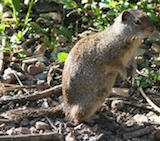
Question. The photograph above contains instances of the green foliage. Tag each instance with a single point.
(2, 27)
(15, 39)
(62, 56)
(65, 32)
(100, 13)
(15, 5)
(31, 3)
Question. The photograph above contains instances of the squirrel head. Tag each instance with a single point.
(134, 23)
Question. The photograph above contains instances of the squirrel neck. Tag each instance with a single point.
(121, 32)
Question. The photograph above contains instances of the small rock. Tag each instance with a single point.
(70, 137)
(41, 125)
(9, 76)
(41, 76)
(33, 130)
(92, 139)
(140, 119)
(10, 131)
(153, 118)
(2, 133)
(24, 122)
(32, 69)
(117, 105)
(45, 104)
(85, 137)
(121, 91)
(22, 130)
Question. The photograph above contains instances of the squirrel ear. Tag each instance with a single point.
(125, 15)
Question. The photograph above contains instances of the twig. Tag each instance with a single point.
(155, 107)
(7, 84)
(4, 120)
(50, 122)
(37, 95)
(19, 81)
(16, 87)
(131, 103)
(33, 137)
(138, 133)
(18, 114)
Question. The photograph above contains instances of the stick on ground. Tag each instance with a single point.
(37, 95)
(33, 137)
(155, 107)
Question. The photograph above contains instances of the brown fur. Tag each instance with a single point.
(95, 61)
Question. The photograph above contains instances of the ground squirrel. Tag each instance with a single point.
(95, 61)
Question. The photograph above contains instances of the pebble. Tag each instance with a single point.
(41, 125)
(92, 139)
(32, 69)
(22, 130)
(140, 119)
(10, 131)
(9, 76)
(25, 122)
(117, 105)
(33, 130)
(153, 118)
(70, 137)
(41, 76)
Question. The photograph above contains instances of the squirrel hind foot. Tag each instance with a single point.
(78, 114)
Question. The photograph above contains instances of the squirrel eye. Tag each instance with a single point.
(137, 22)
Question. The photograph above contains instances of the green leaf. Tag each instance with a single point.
(154, 18)
(69, 4)
(53, 42)
(112, 3)
(16, 5)
(65, 32)
(62, 56)
(2, 27)
(19, 35)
